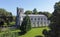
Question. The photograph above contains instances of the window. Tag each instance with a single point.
(44, 18)
(38, 18)
(31, 18)
(41, 18)
(34, 24)
(35, 18)
(45, 23)
(38, 23)
(48, 22)
(41, 22)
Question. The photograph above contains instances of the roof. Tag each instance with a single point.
(33, 15)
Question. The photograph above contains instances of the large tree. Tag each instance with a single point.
(26, 24)
(35, 11)
(5, 16)
(55, 22)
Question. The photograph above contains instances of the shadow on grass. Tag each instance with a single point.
(21, 33)
(38, 36)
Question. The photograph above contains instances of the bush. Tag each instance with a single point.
(9, 33)
(11, 23)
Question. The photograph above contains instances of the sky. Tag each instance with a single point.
(40, 5)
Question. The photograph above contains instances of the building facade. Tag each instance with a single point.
(36, 20)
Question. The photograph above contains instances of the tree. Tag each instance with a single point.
(14, 18)
(1, 23)
(46, 14)
(35, 11)
(26, 24)
(28, 12)
(40, 12)
(5, 16)
(55, 22)
(45, 32)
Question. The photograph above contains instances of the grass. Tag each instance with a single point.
(34, 32)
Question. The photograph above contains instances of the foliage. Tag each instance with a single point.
(28, 12)
(35, 11)
(26, 24)
(5, 16)
(39, 13)
(55, 22)
(9, 33)
(1, 23)
(45, 32)
(46, 14)
(34, 32)
(12, 23)
(14, 18)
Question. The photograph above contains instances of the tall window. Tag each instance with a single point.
(34, 24)
(41, 22)
(45, 23)
(41, 18)
(38, 23)
(35, 18)
(31, 18)
(38, 18)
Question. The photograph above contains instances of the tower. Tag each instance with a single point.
(19, 16)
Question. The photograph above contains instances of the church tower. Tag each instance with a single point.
(19, 16)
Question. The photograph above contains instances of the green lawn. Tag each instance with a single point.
(34, 32)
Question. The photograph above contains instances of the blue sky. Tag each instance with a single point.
(40, 5)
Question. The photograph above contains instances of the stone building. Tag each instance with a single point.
(36, 20)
